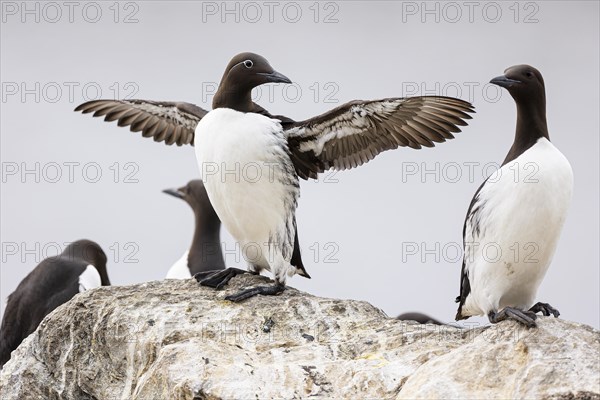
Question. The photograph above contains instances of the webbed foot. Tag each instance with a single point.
(545, 309)
(271, 290)
(526, 318)
(218, 279)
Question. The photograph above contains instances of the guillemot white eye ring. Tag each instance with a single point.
(248, 64)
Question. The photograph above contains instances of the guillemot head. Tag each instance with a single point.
(92, 253)
(195, 195)
(523, 82)
(244, 72)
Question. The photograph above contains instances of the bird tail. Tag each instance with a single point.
(296, 260)
(459, 314)
(302, 272)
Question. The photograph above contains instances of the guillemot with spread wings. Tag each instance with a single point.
(269, 153)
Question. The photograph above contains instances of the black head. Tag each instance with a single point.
(194, 193)
(92, 253)
(523, 82)
(526, 86)
(244, 72)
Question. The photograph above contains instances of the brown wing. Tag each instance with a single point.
(171, 122)
(356, 132)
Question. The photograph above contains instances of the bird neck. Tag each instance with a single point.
(531, 126)
(104, 281)
(91, 253)
(233, 97)
(205, 251)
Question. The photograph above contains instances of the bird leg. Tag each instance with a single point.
(524, 317)
(262, 290)
(219, 278)
(545, 309)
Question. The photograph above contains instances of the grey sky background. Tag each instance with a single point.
(387, 232)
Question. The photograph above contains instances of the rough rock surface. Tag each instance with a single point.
(175, 340)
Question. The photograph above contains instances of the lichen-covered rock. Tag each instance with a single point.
(176, 340)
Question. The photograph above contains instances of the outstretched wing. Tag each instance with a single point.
(171, 122)
(356, 132)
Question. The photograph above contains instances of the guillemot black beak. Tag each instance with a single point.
(504, 82)
(275, 77)
(174, 192)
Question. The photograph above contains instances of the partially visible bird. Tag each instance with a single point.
(204, 253)
(251, 160)
(81, 266)
(515, 218)
(418, 317)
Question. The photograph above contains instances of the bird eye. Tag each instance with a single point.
(248, 63)
(528, 74)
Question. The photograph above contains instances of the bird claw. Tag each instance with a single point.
(218, 279)
(526, 318)
(545, 309)
(271, 290)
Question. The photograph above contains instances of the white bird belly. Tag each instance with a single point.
(523, 209)
(89, 279)
(243, 160)
(180, 269)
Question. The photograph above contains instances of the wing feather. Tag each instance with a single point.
(356, 132)
(171, 122)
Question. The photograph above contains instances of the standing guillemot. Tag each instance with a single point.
(205, 252)
(520, 211)
(260, 214)
(81, 266)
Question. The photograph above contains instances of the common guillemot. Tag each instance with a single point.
(81, 266)
(205, 252)
(237, 132)
(520, 211)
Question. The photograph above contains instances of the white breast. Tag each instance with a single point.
(246, 171)
(89, 279)
(522, 211)
(180, 269)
